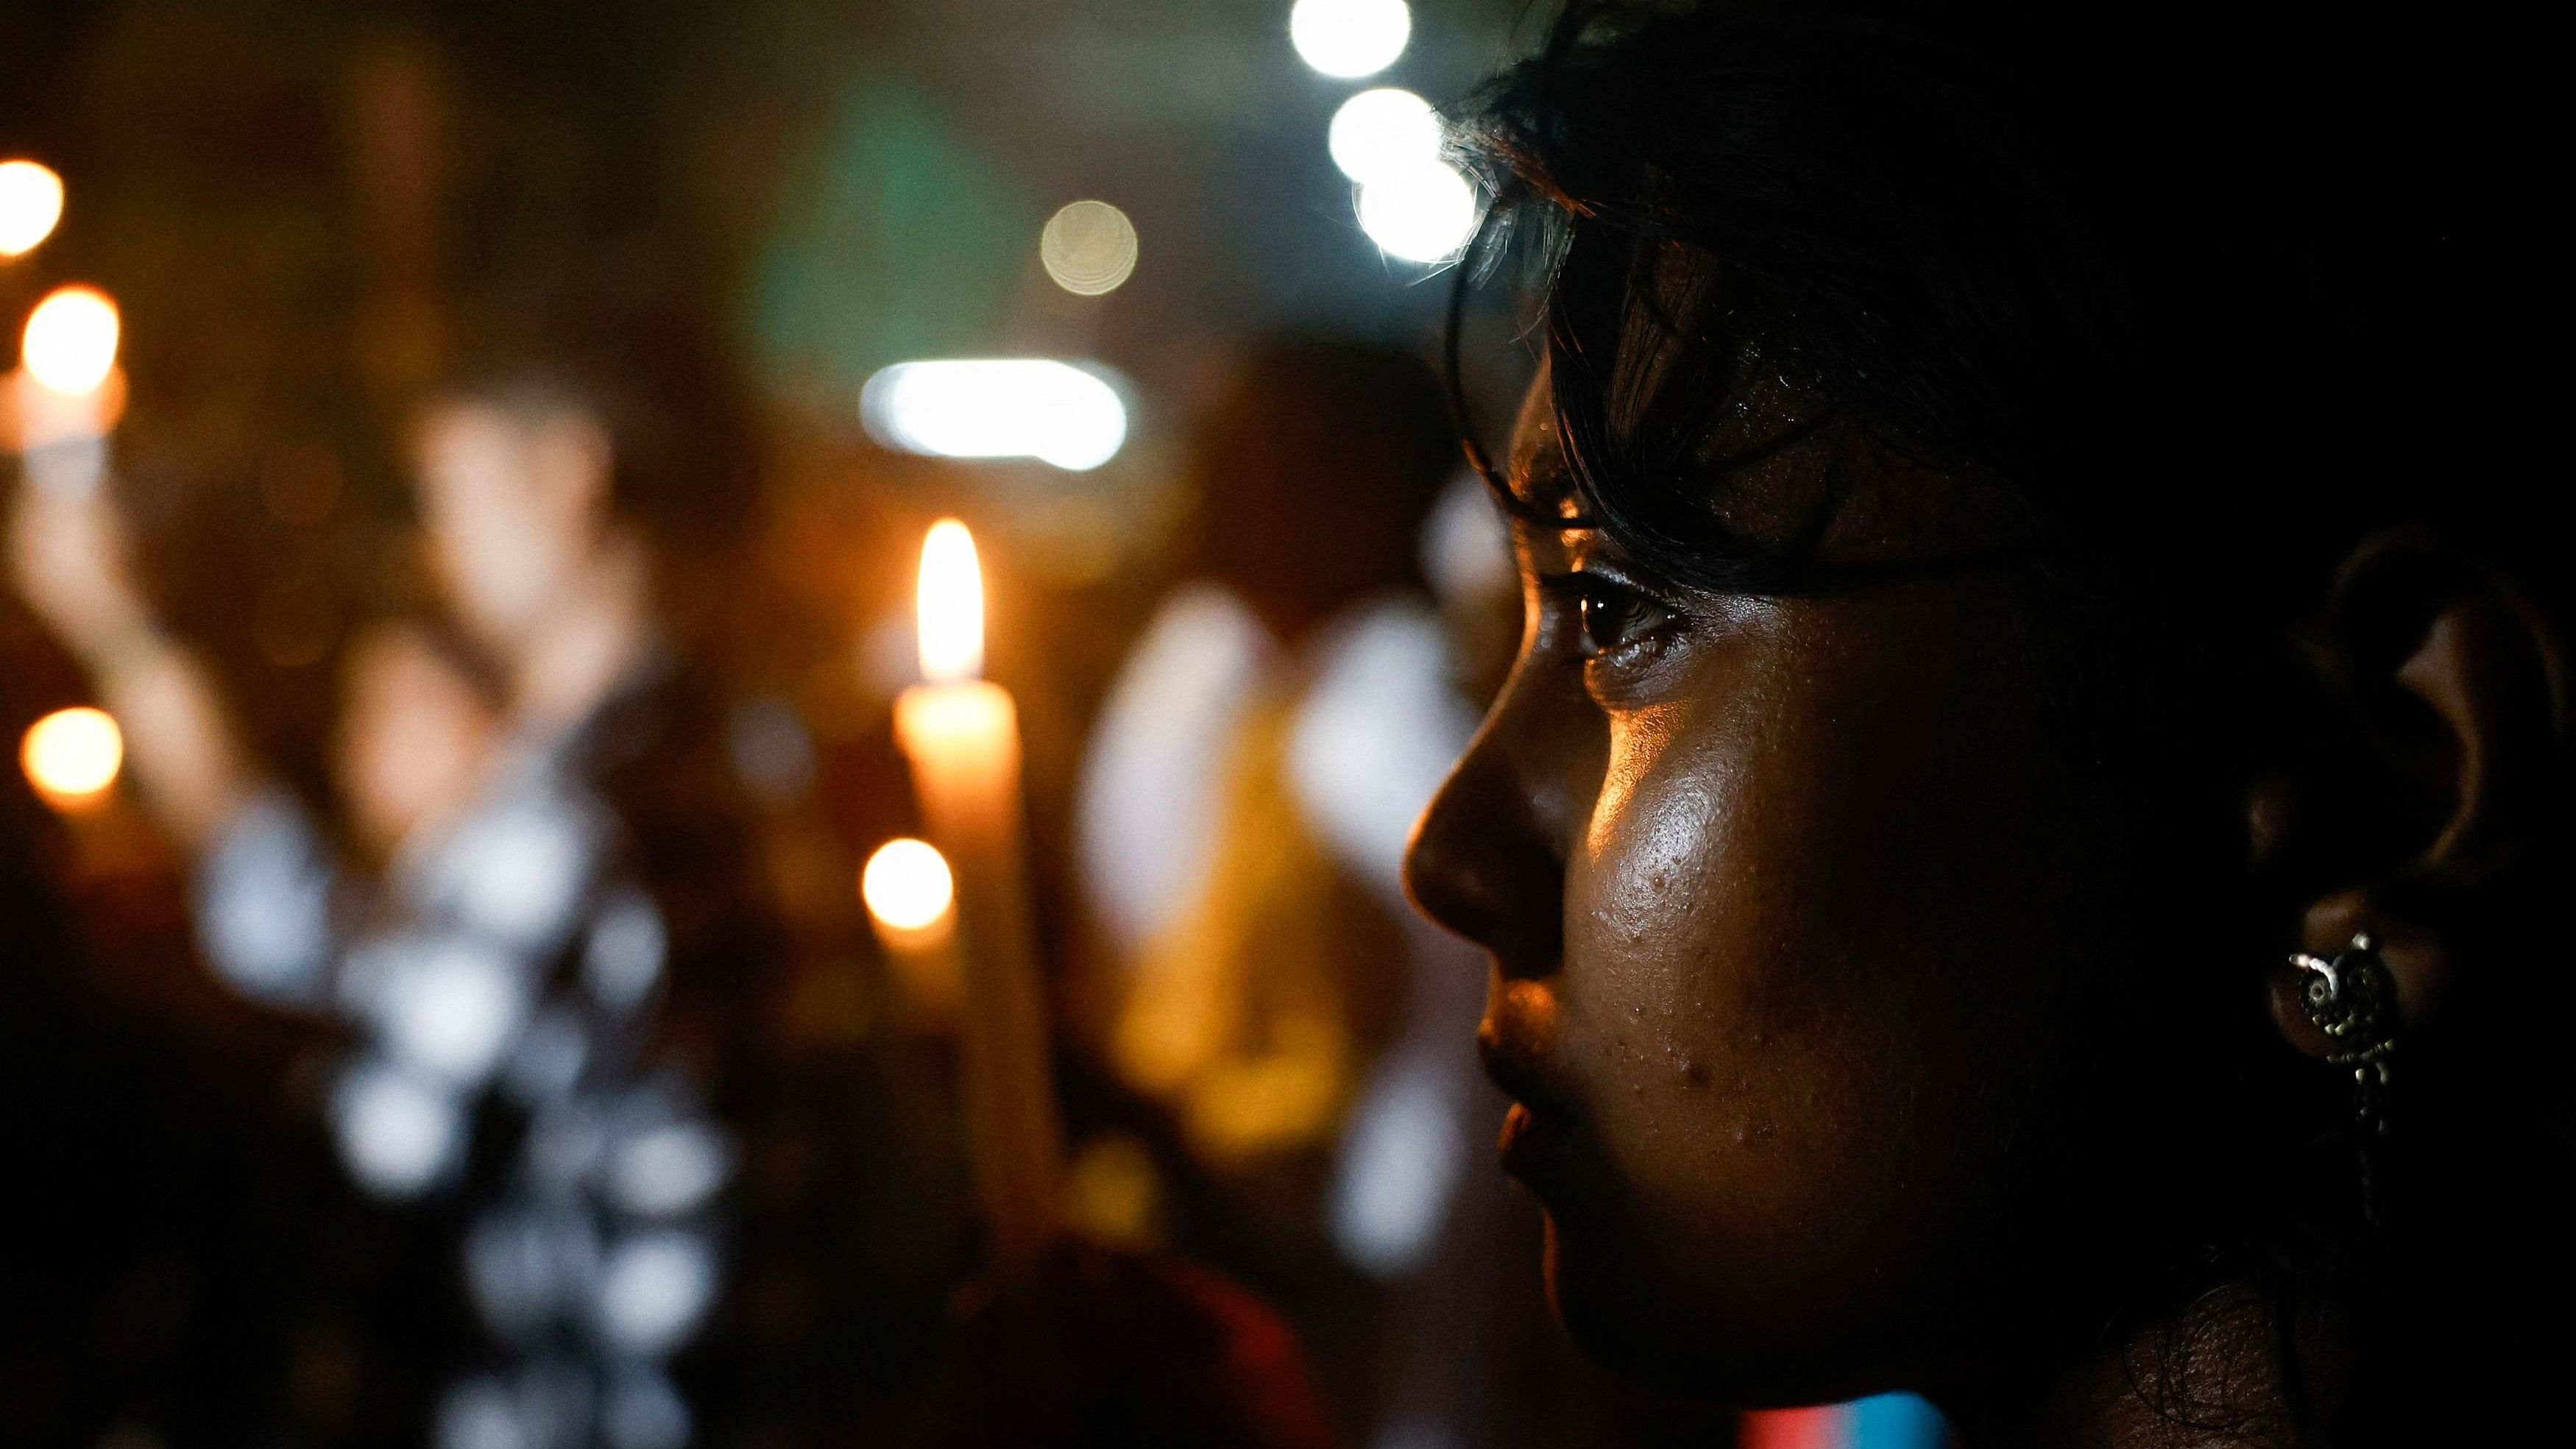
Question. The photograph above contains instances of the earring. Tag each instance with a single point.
(2353, 1000)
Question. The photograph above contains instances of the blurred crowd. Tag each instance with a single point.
(453, 1020)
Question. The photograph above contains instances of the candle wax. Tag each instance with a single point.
(963, 740)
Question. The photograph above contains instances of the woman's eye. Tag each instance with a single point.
(1615, 617)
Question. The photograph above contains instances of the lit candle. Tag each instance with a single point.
(962, 734)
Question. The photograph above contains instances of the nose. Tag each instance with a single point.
(1488, 857)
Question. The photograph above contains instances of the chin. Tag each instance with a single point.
(1687, 1336)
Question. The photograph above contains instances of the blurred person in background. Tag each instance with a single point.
(565, 975)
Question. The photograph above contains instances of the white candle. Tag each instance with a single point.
(962, 736)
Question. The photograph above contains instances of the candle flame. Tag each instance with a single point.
(950, 605)
(907, 884)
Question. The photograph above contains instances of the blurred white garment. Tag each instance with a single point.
(1377, 732)
(1400, 1161)
(264, 901)
(509, 954)
(1375, 726)
(447, 1005)
(1145, 821)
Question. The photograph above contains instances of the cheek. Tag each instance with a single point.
(1798, 983)
(1720, 1092)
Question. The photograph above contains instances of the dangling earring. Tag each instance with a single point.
(2353, 1000)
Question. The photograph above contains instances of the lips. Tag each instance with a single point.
(1516, 1041)
(1517, 1038)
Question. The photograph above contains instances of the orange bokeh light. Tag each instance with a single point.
(73, 755)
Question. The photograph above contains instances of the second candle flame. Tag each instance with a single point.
(950, 605)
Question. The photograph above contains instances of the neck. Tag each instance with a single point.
(588, 643)
(2217, 1372)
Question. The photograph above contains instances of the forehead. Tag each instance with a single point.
(1536, 467)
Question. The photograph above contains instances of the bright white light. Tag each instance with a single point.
(654, 1290)
(451, 1010)
(907, 884)
(1089, 248)
(998, 408)
(31, 201)
(1383, 132)
(396, 1134)
(948, 605)
(72, 754)
(1350, 38)
(518, 873)
(1422, 213)
(71, 338)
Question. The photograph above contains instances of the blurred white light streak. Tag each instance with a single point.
(1422, 213)
(1059, 413)
(1384, 132)
(1350, 38)
(1089, 248)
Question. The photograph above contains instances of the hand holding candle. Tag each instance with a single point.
(962, 736)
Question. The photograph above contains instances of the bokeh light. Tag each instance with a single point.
(1089, 248)
(71, 338)
(1350, 38)
(948, 605)
(1422, 213)
(654, 1289)
(1383, 132)
(31, 202)
(397, 1134)
(1039, 408)
(72, 755)
(907, 885)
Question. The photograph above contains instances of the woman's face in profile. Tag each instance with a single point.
(1782, 895)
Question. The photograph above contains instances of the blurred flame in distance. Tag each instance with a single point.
(906, 884)
(31, 202)
(72, 755)
(70, 343)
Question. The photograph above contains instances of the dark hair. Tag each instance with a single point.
(2210, 296)
(2172, 282)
